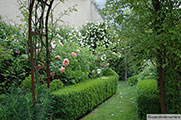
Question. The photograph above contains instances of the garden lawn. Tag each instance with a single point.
(121, 106)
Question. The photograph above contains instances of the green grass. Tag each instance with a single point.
(121, 106)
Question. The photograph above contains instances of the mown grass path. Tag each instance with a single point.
(121, 106)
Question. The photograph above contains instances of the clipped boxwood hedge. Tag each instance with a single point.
(133, 80)
(147, 98)
(74, 101)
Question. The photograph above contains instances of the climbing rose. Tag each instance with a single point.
(57, 57)
(65, 62)
(74, 54)
(62, 69)
(52, 74)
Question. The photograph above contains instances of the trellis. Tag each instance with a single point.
(38, 33)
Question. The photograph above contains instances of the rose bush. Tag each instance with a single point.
(72, 64)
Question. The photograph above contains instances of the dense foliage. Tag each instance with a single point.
(148, 72)
(13, 58)
(74, 101)
(100, 39)
(152, 29)
(147, 98)
(18, 105)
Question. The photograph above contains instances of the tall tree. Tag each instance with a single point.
(153, 29)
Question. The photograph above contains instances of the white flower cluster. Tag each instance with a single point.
(95, 34)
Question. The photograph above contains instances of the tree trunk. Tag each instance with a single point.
(157, 25)
(125, 67)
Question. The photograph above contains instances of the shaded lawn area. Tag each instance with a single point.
(121, 106)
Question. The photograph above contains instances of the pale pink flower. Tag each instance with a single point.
(39, 67)
(62, 69)
(53, 45)
(17, 51)
(78, 50)
(74, 54)
(38, 50)
(52, 74)
(65, 62)
(57, 57)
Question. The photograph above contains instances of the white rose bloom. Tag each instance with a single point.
(98, 71)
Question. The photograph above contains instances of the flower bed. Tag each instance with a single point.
(76, 100)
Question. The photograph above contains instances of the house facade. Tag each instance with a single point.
(87, 11)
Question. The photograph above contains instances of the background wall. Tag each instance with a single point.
(86, 12)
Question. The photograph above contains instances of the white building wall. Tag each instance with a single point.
(86, 12)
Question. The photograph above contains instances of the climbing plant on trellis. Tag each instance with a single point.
(39, 11)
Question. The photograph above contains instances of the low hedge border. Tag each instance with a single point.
(74, 101)
(147, 98)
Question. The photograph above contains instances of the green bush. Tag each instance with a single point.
(17, 105)
(110, 72)
(148, 98)
(27, 83)
(14, 61)
(133, 80)
(56, 84)
(76, 100)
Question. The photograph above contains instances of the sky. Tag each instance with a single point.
(101, 3)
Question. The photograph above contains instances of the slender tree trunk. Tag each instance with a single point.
(157, 25)
(161, 86)
(125, 67)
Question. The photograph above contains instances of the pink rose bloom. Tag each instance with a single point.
(65, 62)
(62, 69)
(52, 74)
(78, 50)
(38, 50)
(39, 67)
(74, 54)
(57, 57)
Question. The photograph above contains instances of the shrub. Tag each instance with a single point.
(27, 83)
(133, 80)
(56, 84)
(148, 98)
(19, 106)
(14, 61)
(110, 72)
(79, 63)
(148, 72)
(95, 34)
(76, 100)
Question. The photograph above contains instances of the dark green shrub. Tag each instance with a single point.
(13, 58)
(19, 106)
(2, 97)
(133, 80)
(148, 98)
(76, 100)
(56, 84)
